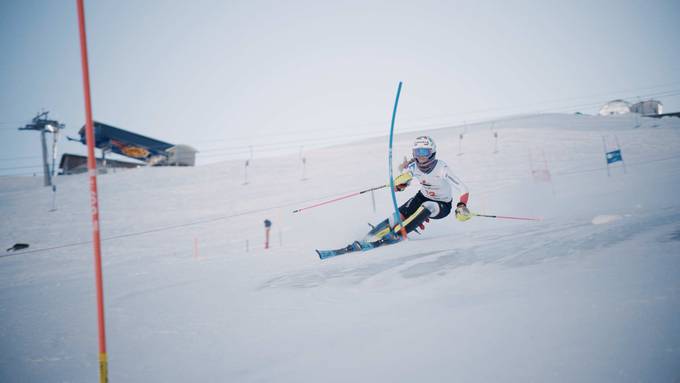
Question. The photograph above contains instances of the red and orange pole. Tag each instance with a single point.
(267, 229)
(94, 200)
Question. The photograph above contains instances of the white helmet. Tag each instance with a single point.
(424, 146)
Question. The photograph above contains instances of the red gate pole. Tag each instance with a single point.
(94, 200)
(267, 227)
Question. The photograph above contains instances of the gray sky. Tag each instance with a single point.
(223, 75)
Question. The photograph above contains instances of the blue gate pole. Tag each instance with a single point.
(397, 216)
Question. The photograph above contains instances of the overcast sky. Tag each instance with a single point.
(223, 75)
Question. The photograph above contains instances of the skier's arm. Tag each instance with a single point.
(458, 185)
(462, 212)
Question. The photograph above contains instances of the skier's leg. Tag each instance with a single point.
(443, 209)
(385, 227)
(430, 209)
(414, 213)
(417, 219)
(410, 207)
(379, 227)
(413, 222)
(433, 207)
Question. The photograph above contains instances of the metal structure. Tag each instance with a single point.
(44, 125)
(133, 145)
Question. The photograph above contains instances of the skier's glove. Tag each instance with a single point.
(462, 212)
(402, 181)
(405, 163)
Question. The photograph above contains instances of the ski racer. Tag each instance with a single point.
(437, 187)
(434, 199)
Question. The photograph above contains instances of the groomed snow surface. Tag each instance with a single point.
(589, 294)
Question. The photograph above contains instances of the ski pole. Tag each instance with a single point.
(340, 198)
(505, 217)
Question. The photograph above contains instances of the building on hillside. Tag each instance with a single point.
(615, 107)
(647, 108)
(181, 155)
(75, 164)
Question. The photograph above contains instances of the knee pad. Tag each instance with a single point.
(433, 207)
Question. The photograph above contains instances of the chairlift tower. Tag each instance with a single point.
(42, 124)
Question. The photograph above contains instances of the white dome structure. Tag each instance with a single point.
(615, 107)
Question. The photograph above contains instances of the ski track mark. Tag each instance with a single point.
(352, 275)
(526, 248)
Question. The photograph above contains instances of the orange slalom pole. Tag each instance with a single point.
(94, 199)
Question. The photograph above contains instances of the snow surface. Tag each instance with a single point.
(606, 218)
(191, 295)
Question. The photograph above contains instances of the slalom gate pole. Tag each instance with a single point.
(94, 200)
(397, 216)
(340, 198)
(505, 217)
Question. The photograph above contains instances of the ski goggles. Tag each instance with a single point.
(422, 152)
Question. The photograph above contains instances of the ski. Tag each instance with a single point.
(357, 246)
(380, 234)
(323, 254)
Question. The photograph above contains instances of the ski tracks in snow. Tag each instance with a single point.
(350, 270)
(517, 247)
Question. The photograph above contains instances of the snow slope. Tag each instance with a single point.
(589, 294)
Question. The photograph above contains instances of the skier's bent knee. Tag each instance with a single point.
(433, 207)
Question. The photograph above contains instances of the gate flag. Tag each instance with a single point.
(614, 156)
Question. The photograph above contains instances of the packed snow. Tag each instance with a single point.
(606, 218)
(591, 293)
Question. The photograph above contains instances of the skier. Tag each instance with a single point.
(435, 197)
(433, 200)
